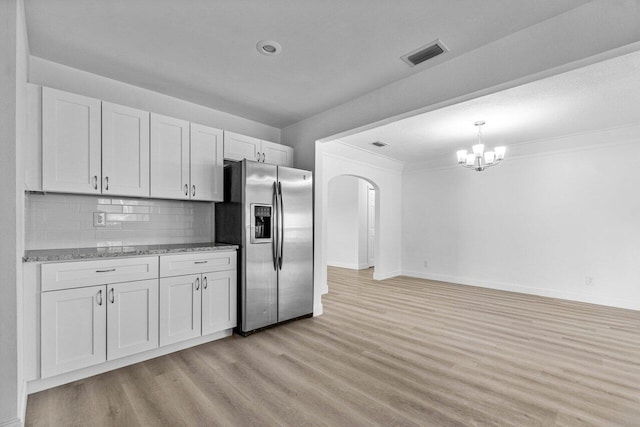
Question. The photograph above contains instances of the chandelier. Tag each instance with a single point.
(478, 159)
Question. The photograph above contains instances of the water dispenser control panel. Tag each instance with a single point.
(261, 223)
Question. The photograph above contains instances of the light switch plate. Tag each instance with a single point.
(99, 219)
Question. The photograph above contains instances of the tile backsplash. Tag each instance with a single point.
(66, 221)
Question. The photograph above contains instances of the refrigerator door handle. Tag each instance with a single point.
(281, 227)
(274, 225)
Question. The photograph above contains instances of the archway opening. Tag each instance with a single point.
(351, 224)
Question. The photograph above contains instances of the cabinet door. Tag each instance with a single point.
(219, 301)
(239, 147)
(206, 163)
(70, 142)
(125, 151)
(277, 154)
(132, 318)
(169, 157)
(73, 329)
(180, 308)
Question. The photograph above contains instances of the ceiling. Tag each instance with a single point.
(599, 96)
(205, 51)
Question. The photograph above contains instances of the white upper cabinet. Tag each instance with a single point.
(169, 157)
(186, 160)
(70, 142)
(239, 147)
(206, 157)
(125, 151)
(277, 154)
(94, 147)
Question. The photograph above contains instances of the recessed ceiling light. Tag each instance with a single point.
(269, 47)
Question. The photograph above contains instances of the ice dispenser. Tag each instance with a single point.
(261, 223)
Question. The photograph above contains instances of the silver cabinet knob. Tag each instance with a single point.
(258, 156)
(106, 183)
(99, 297)
(263, 156)
(186, 190)
(193, 194)
(95, 182)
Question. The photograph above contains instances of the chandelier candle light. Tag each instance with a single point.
(479, 159)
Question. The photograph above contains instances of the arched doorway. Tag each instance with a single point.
(351, 226)
(334, 159)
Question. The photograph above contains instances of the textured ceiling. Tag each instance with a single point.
(602, 95)
(204, 51)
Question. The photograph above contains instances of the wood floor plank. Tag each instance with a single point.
(398, 352)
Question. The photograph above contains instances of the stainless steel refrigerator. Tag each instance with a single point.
(267, 211)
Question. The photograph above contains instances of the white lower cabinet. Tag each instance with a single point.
(85, 323)
(74, 328)
(197, 304)
(86, 326)
(179, 308)
(132, 318)
(219, 301)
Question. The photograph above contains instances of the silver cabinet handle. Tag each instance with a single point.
(193, 194)
(200, 262)
(186, 189)
(95, 182)
(263, 156)
(204, 282)
(106, 271)
(258, 158)
(197, 284)
(113, 297)
(99, 297)
(106, 183)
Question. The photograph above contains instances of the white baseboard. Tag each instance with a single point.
(543, 292)
(11, 423)
(351, 266)
(317, 309)
(382, 275)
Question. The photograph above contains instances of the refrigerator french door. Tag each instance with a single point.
(268, 212)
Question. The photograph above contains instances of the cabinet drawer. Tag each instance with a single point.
(177, 265)
(64, 275)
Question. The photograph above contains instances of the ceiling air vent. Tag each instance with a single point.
(424, 53)
(379, 144)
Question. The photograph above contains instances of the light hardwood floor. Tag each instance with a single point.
(399, 352)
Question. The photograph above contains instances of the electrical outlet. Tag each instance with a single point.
(425, 263)
(588, 281)
(99, 219)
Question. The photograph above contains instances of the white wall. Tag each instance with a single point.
(335, 159)
(570, 43)
(538, 223)
(347, 223)
(58, 76)
(13, 78)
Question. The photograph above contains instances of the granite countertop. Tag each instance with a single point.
(48, 255)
